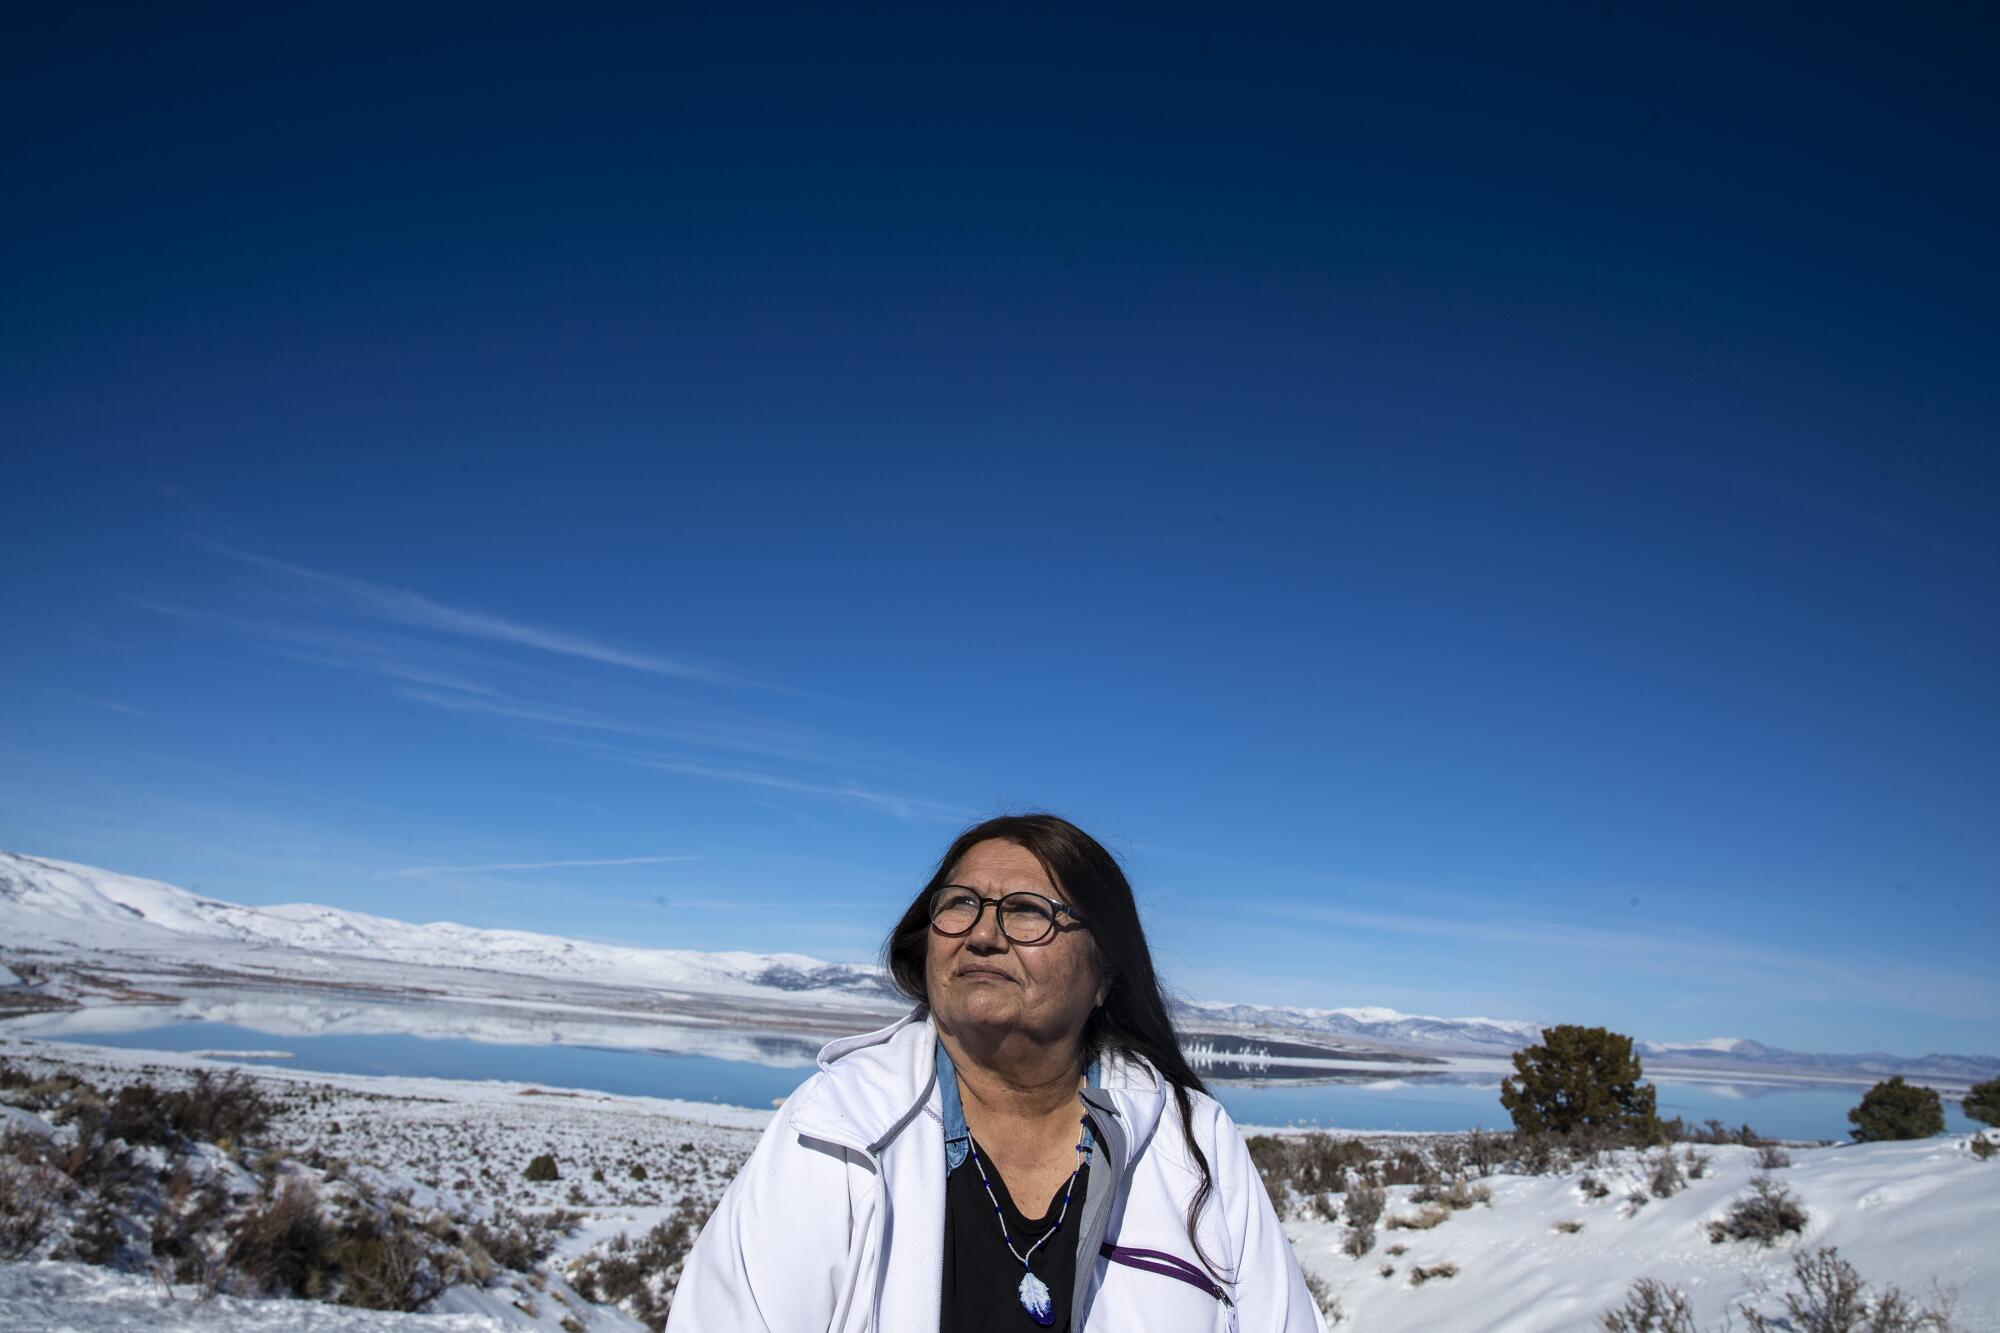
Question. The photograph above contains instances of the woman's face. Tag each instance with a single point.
(984, 980)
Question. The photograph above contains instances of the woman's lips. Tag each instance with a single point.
(986, 973)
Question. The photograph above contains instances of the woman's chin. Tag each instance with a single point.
(984, 1007)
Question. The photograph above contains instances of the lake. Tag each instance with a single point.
(1451, 1101)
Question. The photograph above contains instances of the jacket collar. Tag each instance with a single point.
(875, 1084)
(957, 1138)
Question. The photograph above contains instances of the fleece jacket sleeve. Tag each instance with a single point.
(1270, 1290)
(778, 1255)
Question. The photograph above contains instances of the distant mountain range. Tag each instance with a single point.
(60, 907)
(52, 904)
(1500, 1037)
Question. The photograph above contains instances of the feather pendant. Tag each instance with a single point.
(1035, 1300)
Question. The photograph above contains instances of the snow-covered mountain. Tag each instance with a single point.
(57, 905)
(51, 904)
(1472, 1036)
(1735, 1054)
(1499, 1037)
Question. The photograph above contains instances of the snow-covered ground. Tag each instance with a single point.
(1919, 1215)
(51, 1297)
(459, 1148)
(1913, 1214)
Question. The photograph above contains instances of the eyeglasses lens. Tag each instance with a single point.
(1024, 917)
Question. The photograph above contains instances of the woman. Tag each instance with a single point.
(1027, 1148)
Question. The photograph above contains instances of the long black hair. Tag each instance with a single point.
(1133, 1018)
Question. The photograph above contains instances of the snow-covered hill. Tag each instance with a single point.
(1736, 1054)
(52, 904)
(1546, 1255)
(1489, 1036)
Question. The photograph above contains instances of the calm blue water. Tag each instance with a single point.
(1787, 1111)
(632, 1073)
(1782, 1111)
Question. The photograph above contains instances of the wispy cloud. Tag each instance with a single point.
(904, 807)
(411, 872)
(112, 706)
(742, 736)
(387, 656)
(404, 607)
(448, 678)
(443, 657)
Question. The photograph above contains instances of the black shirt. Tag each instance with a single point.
(982, 1281)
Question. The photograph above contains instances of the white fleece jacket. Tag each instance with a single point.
(836, 1223)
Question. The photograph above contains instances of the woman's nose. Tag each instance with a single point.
(986, 930)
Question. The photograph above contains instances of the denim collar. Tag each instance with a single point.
(957, 1138)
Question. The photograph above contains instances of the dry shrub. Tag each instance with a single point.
(1549, 1154)
(520, 1241)
(1272, 1158)
(1982, 1147)
(1307, 1166)
(58, 1092)
(100, 1237)
(227, 1110)
(1591, 1186)
(1663, 1174)
(184, 1226)
(1831, 1298)
(1711, 1131)
(92, 1160)
(1423, 1219)
(1324, 1161)
(1425, 1273)
(1484, 1151)
(29, 1193)
(1451, 1158)
(136, 1115)
(1463, 1195)
(1323, 1297)
(284, 1247)
(389, 1268)
(1650, 1307)
(1771, 1157)
(1569, 1226)
(639, 1277)
(388, 1259)
(1766, 1213)
(1405, 1167)
(507, 1244)
(1697, 1162)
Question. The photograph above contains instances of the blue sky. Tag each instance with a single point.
(1485, 514)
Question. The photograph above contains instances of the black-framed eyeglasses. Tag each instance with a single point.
(1025, 918)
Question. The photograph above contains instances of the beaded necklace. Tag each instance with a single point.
(1035, 1292)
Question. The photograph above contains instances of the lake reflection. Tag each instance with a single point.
(1455, 1100)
